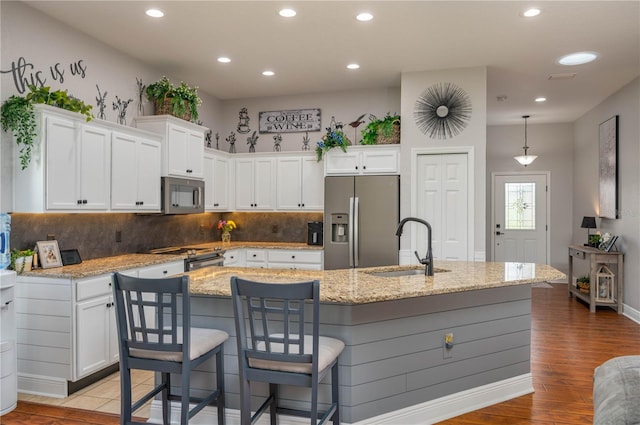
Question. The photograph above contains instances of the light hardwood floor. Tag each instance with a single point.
(567, 343)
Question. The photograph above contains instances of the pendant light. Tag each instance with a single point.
(525, 159)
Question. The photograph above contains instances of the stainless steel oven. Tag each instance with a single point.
(197, 258)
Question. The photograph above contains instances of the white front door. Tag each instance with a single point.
(442, 200)
(520, 218)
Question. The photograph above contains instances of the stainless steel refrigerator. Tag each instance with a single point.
(361, 214)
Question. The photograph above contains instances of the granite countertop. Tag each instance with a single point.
(359, 286)
(119, 263)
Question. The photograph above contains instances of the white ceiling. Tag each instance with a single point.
(309, 53)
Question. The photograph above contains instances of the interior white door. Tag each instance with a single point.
(442, 201)
(520, 218)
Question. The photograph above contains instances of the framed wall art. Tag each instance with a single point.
(49, 254)
(608, 168)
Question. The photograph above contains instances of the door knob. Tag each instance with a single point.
(499, 233)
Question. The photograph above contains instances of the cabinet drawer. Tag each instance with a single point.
(576, 253)
(255, 255)
(295, 256)
(162, 270)
(93, 287)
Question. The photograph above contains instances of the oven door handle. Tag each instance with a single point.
(194, 265)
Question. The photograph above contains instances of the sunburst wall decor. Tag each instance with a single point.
(442, 111)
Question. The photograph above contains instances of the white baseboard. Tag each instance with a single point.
(436, 410)
(631, 313)
(42, 385)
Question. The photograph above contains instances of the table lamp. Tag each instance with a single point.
(588, 223)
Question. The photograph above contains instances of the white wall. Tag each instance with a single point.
(45, 43)
(626, 104)
(346, 106)
(474, 82)
(553, 143)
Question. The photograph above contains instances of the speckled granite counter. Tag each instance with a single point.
(98, 266)
(359, 286)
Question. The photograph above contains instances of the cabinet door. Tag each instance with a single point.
(312, 184)
(149, 171)
(124, 172)
(289, 184)
(264, 184)
(195, 153)
(244, 184)
(380, 161)
(62, 177)
(220, 183)
(95, 167)
(177, 145)
(339, 162)
(207, 173)
(93, 335)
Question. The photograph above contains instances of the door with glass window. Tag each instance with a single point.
(520, 218)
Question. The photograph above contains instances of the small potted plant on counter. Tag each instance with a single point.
(181, 101)
(21, 260)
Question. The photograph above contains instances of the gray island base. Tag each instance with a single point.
(396, 367)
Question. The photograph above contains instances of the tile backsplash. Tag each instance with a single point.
(94, 235)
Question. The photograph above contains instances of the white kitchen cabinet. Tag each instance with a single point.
(183, 144)
(78, 165)
(295, 259)
(360, 160)
(300, 183)
(67, 328)
(135, 173)
(255, 183)
(235, 258)
(216, 181)
(256, 258)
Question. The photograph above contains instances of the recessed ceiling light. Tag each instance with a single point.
(541, 99)
(268, 73)
(364, 17)
(353, 66)
(577, 58)
(287, 13)
(155, 13)
(530, 13)
(224, 59)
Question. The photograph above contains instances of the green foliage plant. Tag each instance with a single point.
(378, 126)
(181, 97)
(332, 139)
(15, 254)
(17, 115)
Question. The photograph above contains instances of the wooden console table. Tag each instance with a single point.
(596, 259)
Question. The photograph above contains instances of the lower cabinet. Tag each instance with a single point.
(235, 258)
(67, 328)
(302, 259)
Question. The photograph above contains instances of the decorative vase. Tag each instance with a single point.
(226, 237)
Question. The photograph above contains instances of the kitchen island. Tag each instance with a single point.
(395, 367)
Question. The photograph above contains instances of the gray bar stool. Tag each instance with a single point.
(151, 337)
(275, 348)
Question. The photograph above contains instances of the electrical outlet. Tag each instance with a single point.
(202, 229)
(274, 228)
(118, 235)
(447, 346)
(51, 236)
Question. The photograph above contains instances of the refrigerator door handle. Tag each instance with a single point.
(356, 230)
(350, 235)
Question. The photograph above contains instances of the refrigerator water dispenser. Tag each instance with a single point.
(340, 228)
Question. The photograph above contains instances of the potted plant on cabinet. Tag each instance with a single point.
(21, 260)
(17, 115)
(181, 101)
(382, 131)
(332, 139)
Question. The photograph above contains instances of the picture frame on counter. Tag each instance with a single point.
(49, 254)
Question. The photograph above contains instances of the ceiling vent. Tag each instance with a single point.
(564, 76)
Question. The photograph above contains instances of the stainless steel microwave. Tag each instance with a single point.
(182, 196)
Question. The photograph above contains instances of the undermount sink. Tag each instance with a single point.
(398, 273)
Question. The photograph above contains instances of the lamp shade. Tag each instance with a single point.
(588, 223)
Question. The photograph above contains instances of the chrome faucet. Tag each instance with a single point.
(428, 259)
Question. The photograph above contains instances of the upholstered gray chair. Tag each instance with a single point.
(275, 348)
(155, 333)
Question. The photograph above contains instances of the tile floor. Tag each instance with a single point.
(102, 396)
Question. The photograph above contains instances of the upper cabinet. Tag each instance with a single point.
(300, 183)
(376, 159)
(183, 149)
(216, 180)
(255, 182)
(71, 164)
(135, 173)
